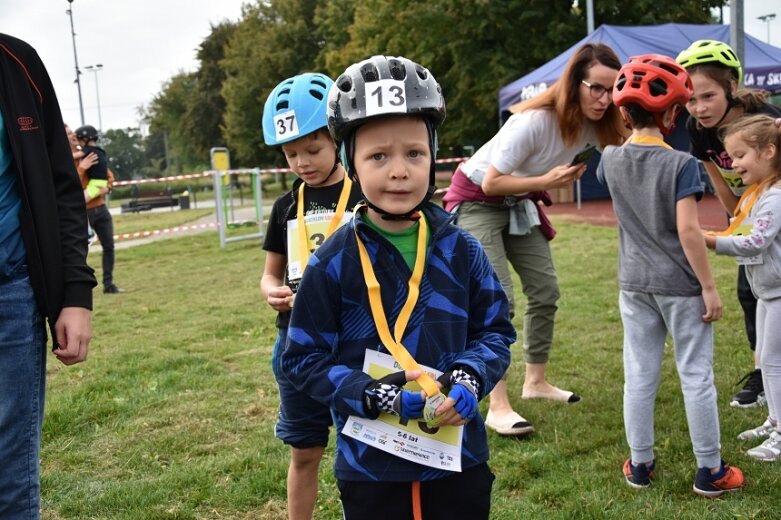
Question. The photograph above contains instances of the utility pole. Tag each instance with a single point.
(69, 12)
(95, 69)
(767, 18)
(736, 32)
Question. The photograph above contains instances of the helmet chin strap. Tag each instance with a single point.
(731, 103)
(412, 215)
(333, 169)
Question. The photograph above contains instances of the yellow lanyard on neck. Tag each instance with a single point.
(648, 140)
(303, 236)
(750, 197)
(392, 342)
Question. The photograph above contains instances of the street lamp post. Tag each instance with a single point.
(95, 69)
(69, 12)
(767, 18)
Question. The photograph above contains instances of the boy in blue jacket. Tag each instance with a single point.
(400, 265)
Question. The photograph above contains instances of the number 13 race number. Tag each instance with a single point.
(386, 96)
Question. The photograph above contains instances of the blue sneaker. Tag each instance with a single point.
(728, 478)
(639, 476)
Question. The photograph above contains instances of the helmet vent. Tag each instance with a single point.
(657, 87)
(397, 70)
(668, 68)
(317, 94)
(345, 84)
(422, 73)
(369, 73)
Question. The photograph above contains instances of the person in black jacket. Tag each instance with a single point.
(44, 276)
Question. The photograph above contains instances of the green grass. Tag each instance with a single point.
(172, 415)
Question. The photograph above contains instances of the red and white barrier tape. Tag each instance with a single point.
(176, 229)
(209, 173)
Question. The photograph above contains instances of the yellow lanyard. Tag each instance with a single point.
(649, 140)
(392, 342)
(750, 197)
(303, 236)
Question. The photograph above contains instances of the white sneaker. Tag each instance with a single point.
(768, 451)
(760, 432)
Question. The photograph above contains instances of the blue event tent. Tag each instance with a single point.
(761, 69)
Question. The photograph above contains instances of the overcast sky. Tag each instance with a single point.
(143, 43)
(140, 43)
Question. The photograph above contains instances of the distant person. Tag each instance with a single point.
(665, 281)
(294, 120)
(44, 276)
(754, 237)
(717, 101)
(400, 265)
(95, 181)
(497, 194)
(83, 163)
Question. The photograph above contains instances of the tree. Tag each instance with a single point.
(274, 40)
(125, 151)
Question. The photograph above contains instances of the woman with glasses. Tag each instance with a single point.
(496, 196)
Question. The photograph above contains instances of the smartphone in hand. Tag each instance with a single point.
(584, 155)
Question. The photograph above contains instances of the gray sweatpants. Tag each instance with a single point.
(647, 320)
(769, 353)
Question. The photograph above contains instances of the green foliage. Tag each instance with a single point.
(473, 47)
(274, 41)
(125, 150)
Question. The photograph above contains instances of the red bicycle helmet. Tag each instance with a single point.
(655, 82)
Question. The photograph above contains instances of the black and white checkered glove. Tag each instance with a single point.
(386, 395)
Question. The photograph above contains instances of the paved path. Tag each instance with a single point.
(238, 214)
(600, 212)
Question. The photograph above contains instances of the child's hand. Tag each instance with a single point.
(710, 239)
(280, 298)
(713, 305)
(460, 406)
(458, 409)
(87, 162)
(387, 395)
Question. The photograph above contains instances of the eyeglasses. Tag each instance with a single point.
(597, 91)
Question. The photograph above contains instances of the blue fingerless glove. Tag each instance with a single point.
(466, 401)
(409, 405)
(464, 390)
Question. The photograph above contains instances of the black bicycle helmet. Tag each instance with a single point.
(87, 132)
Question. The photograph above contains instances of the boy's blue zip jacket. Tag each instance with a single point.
(461, 319)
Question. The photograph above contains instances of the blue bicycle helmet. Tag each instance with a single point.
(295, 108)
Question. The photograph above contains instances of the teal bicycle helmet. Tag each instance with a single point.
(295, 108)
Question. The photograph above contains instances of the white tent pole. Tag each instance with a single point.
(590, 16)
(590, 29)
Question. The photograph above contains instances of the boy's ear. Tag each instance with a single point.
(670, 114)
(625, 117)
